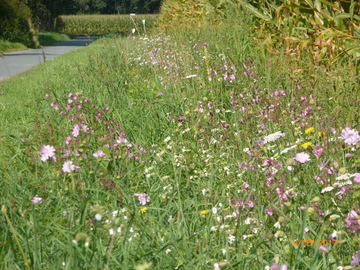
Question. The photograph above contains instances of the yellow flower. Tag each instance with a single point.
(306, 145)
(204, 212)
(320, 134)
(143, 210)
(309, 130)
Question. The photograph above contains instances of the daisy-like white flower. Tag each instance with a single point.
(273, 137)
(302, 157)
(350, 136)
(47, 151)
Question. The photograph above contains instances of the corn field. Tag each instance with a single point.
(327, 29)
(105, 24)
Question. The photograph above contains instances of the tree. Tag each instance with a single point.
(15, 22)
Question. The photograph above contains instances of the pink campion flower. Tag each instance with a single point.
(76, 131)
(68, 140)
(276, 267)
(47, 151)
(302, 157)
(318, 151)
(350, 136)
(85, 128)
(269, 211)
(37, 199)
(143, 198)
(353, 222)
(69, 167)
(99, 154)
(357, 177)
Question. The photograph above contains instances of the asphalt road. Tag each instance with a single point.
(16, 62)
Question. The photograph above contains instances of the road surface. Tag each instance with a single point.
(16, 62)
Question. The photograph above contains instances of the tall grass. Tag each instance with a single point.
(195, 150)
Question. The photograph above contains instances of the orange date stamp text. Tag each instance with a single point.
(310, 243)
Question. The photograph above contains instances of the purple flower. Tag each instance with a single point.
(353, 222)
(357, 178)
(99, 154)
(37, 199)
(76, 131)
(302, 157)
(68, 167)
(356, 260)
(47, 151)
(143, 198)
(350, 136)
(276, 267)
(160, 94)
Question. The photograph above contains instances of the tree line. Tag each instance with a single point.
(19, 18)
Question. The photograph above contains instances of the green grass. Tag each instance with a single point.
(47, 39)
(180, 118)
(7, 46)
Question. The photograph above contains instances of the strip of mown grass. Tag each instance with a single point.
(196, 150)
(7, 46)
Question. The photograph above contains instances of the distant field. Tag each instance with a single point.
(105, 24)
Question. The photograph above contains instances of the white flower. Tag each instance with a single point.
(167, 139)
(216, 266)
(214, 210)
(191, 76)
(288, 149)
(277, 225)
(223, 251)
(98, 217)
(111, 231)
(231, 239)
(273, 137)
(327, 189)
(168, 251)
(345, 176)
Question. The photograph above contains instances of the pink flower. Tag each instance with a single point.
(76, 131)
(318, 151)
(276, 267)
(143, 198)
(350, 136)
(99, 154)
(306, 230)
(68, 167)
(37, 199)
(302, 157)
(47, 151)
(323, 249)
(68, 140)
(357, 178)
(353, 222)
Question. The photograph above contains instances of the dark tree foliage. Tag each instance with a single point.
(15, 22)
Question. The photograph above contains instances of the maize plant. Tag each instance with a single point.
(327, 29)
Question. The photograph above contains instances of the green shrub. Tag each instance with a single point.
(15, 23)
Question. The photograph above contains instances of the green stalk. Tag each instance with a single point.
(4, 212)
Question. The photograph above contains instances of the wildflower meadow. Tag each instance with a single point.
(185, 150)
